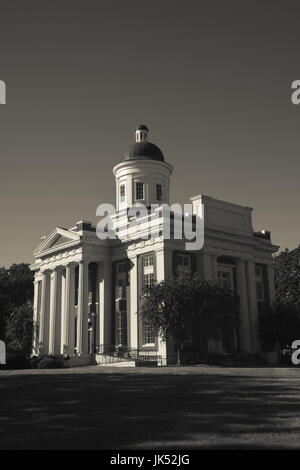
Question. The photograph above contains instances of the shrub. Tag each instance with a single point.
(20, 329)
(16, 361)
(52, 361)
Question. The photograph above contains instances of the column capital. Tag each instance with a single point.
(53, 273)
(58, 268)
(46, 271)
(71, 264)
(83, 262)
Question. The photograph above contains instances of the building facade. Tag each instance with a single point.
(87, 291)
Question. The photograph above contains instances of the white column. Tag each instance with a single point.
(161, 266)
(53, 306)
(168, 262)
(216, 346)
(206, 265)
(252, 306)
(59, 309)
(35, 317)
(134, 329)
(68, 318)
(214, 265)
(244, 330)
(44, 315)
(104, 287)
(82, 320)
(210, 265)
(270, 271)
(63, 296)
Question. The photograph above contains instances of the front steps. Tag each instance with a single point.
(120, 364)
(127, 360)
(112, 360)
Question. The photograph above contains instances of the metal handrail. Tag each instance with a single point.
(115, 353)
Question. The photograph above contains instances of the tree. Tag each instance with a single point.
(16, 288)
(287, 285)
(287, 277)
(287, 323)
(19, 329)
(190, 310)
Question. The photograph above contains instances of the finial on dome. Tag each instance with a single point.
(141, 133)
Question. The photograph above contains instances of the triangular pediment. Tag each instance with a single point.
(60, 241)
(58, 238)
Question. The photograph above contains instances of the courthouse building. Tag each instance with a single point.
(88, 291)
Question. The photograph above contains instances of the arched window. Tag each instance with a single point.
(159, 192)
(122, 193)
(139, 191)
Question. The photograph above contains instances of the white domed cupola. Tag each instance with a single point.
(142, 176)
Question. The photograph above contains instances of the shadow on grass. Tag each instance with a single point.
(143, 410)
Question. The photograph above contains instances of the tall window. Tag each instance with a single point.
(148, 280)
(184, 265)
(226, 276)
(158, 192)
(149, 336)
(121, 281)
(139, 191)
(148, 261)
(122, 193)
(122, 268)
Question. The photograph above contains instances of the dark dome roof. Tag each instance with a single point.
(142, 127)
(144, 149)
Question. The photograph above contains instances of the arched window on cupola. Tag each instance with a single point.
(139, 191)
(122, 193)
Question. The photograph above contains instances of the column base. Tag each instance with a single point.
(84, 359)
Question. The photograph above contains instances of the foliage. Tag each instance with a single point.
(281, 324)
(287, 323)
(190, 310)
(16, 288)
(268, 330)
(287, 277)
(52, 361)
(16, 361)
(287, 285)
(19, 329)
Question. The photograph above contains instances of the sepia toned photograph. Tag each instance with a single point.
(150, 229)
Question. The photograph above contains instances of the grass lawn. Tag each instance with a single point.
(159, 408)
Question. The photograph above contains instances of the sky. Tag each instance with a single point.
(211, 80)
